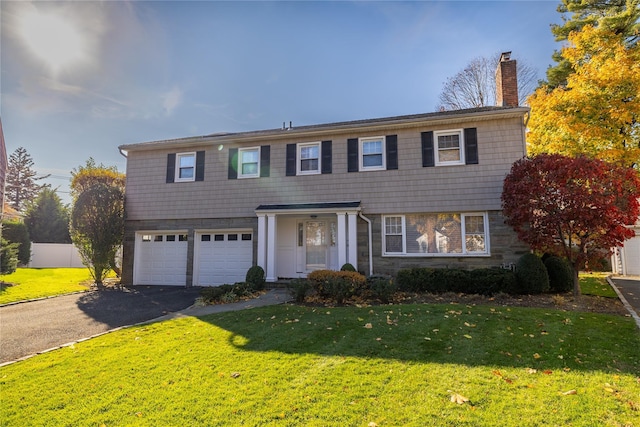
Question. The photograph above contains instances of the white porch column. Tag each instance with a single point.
(271, 248)
(353, 240)
(262, 241)
(342, 239)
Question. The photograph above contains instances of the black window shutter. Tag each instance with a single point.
(291, 160)
(171, 167)
(326, 157)
(352, 155)
(200, 166)
(233, 163)
(265, 160)
(428, 158)
(471, 146)
(392, 151)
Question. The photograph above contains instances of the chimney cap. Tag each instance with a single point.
(505, 56)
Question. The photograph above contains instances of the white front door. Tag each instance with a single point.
(316, 245)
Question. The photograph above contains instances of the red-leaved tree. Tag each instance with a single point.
(576, 208)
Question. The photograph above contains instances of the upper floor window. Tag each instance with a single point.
(449, 148)
(186, 167)
(372, 152)
(249, 162)
(308, 158)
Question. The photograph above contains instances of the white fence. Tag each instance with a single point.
(52, 255)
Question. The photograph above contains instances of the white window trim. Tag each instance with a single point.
(299, 147)
(248, 175)
(361, 142)
(436, 134)
(177, 167)
(464, 253)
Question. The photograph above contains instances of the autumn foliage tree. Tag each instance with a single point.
(576, 208)
(97, 216)
(597, 113)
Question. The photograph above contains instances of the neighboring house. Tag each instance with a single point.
(626, 259)
(381, 194)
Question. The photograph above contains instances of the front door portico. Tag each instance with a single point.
(296, 239)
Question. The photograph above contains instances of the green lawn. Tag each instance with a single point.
(28, 283)
(596, 284)
(384, 365)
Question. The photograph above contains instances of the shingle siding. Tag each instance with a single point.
(411, 188)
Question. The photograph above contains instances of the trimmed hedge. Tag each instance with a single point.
(255, 277)
(560, 274)
(337, 285)
(531, 275)
(484, 281)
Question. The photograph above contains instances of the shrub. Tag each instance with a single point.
(560, 274)
(16, 232)
(225, 293)
(531, 275)
(8, 257)
(347, 267)
(299, 288)
(491, 281)
(255, 277)
(452, 280)
(337, 285)
(381, 287)
(416, 280)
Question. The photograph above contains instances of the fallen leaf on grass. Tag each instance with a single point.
(458, 398)
(235, 375)
(372, 424)
(368, 326)
(467, 336)
(536, 356)
(570, 392)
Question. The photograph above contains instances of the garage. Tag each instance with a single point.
(631, 253)
(161, 258)
(222, 257)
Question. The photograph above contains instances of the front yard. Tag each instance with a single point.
(391, 365)
(30, 283)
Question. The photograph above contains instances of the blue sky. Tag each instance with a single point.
(82, 78)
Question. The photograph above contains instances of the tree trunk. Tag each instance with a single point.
(576, 281)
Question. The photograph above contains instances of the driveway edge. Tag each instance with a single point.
(626, 304)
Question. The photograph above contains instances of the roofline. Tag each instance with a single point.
(312, 131)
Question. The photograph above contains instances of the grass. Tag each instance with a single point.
(348, 366)
(596, 284)
(29, 283)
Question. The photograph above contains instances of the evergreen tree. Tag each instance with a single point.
(620, 17)
(48, 219)
(21, 186)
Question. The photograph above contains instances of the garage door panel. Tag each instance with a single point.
(161, 260)
(223, 257)
(632, 255)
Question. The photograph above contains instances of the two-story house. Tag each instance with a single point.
(381, 194)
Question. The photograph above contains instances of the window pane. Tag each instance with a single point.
(250, 156)
(310, 152)
(309, 165)
(205, 238)
(372, 147)
(393, 244)
(449, 155)
(475, 236)
(393, 234)
(186, 173)
(448, 141)
(434, 233)
(449, 148)
(249, 169)
(372, 160)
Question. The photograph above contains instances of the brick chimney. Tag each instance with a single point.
(506, 82)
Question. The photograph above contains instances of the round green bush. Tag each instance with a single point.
(255, 277)
(560, 274)
(531, 275)
(347, 267)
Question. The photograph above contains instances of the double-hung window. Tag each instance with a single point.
(449, 148)
(186, 167)
(436, 234)
(249, 162)
(372, 153)
(309, 159)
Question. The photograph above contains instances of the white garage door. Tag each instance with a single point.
(161, 259)
(222, 257)
(632, 255)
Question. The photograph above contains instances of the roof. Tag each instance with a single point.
(310, 206)
(483, 113)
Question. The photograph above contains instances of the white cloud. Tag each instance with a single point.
(171, 100)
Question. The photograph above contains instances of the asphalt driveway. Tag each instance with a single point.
(35, 326)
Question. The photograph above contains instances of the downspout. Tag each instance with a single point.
(370, 242)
